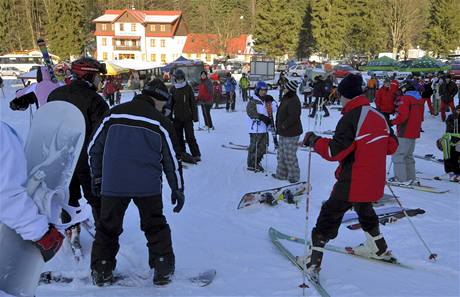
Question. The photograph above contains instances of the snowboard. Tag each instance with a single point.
(256, 197)
(201, 279)
(52, 149)
(352, 215)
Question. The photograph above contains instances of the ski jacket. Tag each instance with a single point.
(256, 108)
(244, 82)
(409, 115)
(385, 100)
(427, 90)
(288, 122)
(447, 91)
(394, 86)
(319, 88)
(282, 81)
(205, 91)
(132, 148)
(361, 142)
(229, 85)
(305, 86)
(183, 104)
(17, 210)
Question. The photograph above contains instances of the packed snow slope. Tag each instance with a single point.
(211, 233)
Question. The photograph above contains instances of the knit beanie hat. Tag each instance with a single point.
(351, 86)
(292, 85)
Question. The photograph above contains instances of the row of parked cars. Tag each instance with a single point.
(340, 70)
(10, 71)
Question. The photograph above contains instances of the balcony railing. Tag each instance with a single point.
(127, 48)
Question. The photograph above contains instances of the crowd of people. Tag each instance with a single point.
(152, 130)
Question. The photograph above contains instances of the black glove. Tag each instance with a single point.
(50, 243)
(177, 198)
(96, 183)
(265, 119)
(310, 139)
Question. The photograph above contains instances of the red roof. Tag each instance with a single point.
(201, 43)
(147, 12)
(237, 45)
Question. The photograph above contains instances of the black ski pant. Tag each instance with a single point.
(453, 163)
(110, 226)
(206, 108)
(230, 101)
(81, 180)
(111, 98)
(331, 214)
(186, 127)
(315, 106)
(244, 93)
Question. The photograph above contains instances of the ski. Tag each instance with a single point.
(418, 188)
(343, 250)
(353, 216)
(391, 218)
(430, 157)
(243, 148)
(275, 238)
(46, 58)
(251, 198)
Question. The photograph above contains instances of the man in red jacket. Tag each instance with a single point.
(385, 100)
(361, 142)
(408, 121)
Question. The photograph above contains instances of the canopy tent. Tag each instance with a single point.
(381, 64)
(424, 64)
(113, 69)
(29, 75)
(133, 64)
(169, 66)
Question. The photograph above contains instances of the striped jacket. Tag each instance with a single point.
(132, 148)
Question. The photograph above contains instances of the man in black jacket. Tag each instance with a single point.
(128, 153)
(81, 92)
(184, 111)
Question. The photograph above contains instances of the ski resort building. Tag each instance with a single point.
(142, 35)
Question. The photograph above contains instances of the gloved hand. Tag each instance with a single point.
(96, 183)
(178, 199)
(309, 139)
(50, 243)
(267, 121)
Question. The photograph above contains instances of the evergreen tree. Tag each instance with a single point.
(441, 33)
(66, 28)
(307, 44)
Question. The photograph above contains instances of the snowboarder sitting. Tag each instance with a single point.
(17, 210)
(449, 144)
(259, 121)
(128, 154)
(361, 142)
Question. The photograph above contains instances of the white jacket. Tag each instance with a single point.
(257, 126)
(17, 210)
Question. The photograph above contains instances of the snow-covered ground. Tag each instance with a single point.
(211, 233)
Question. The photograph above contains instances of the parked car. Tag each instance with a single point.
(455, 71)
(10, 71)
(343, 70)
(297, 70)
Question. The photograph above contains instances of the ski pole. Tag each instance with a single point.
(432, 255)
(307, 209)
(389, 168)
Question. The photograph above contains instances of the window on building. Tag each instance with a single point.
(153, 57)
(122, 27)
(112, 27)
(163, 58)
(162, 28)
(104, 27)
(104, 41)
(133, 27)
(104, 56)
(152, 43)
(153, 28)
(163, 43)
(122, 42)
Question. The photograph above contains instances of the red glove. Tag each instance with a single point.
(50, 243)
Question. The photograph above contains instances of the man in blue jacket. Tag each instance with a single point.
(128, 154)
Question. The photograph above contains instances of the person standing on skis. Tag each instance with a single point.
(361, 143)
(260, 122)
(81, 92)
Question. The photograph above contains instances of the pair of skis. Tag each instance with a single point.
(242, 147)
(418, 187)
(391, 217)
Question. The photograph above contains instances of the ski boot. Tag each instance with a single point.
(164, 270)
(102, 274)
(73, 236)
(268, 199)
(315, 257)
(374, 247)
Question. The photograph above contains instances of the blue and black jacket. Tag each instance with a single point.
(132, 148)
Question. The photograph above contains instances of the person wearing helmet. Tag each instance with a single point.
(230, 86)
(81, 92)
(260, 110)
(184, 112)
(145, 138)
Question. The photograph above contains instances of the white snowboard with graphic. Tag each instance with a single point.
(52, 149)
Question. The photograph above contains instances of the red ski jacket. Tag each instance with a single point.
(385, 100)
(394, 86)
(361, 143)
(409, 115)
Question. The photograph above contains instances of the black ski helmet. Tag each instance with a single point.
(179, 74)
(156, 89)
